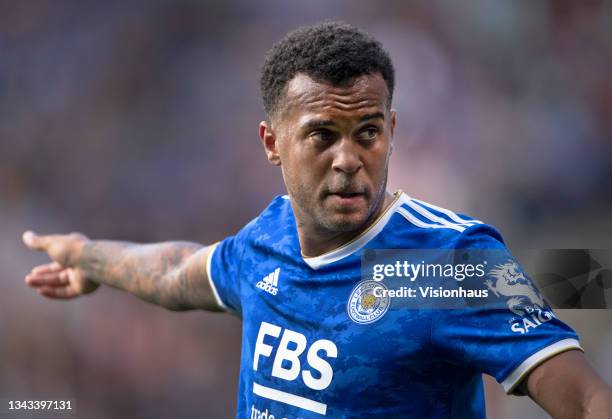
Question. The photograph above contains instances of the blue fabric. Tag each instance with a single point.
(301, 340)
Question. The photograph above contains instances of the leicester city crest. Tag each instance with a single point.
(366, 306)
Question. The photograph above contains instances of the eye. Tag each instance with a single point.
(322, 135)
(368, 134)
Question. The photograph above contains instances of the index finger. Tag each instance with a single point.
(34, 241)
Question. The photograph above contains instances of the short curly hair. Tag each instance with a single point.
(331, 52)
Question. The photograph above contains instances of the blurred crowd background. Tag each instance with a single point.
(138, 121)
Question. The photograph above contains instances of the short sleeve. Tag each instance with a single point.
(505, 341)
(223, 269)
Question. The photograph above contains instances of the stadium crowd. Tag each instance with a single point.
(138, 121)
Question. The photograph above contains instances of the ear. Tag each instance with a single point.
(269, 142)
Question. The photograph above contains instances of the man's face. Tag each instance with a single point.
(333, 145)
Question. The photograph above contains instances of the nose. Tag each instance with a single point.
(346, 157)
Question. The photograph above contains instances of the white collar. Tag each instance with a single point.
(347, 249)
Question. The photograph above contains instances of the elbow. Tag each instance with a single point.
(173, 305)
(177, 308)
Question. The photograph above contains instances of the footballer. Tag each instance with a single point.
(316, 341)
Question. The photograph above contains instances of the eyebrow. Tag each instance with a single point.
(318, 123)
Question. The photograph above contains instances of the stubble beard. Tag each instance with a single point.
(339, 223)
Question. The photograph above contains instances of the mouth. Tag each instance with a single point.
(346, 198)
(346, 194)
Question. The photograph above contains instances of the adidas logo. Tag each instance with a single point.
(270, 282)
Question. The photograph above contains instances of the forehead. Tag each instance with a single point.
(306, 97)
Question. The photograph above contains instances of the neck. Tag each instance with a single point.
(315, 241)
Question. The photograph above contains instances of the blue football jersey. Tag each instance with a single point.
(309, 350)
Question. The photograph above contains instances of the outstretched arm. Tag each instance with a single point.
(567, 387)
(170, 274)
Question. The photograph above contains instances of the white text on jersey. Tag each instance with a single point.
(298, 343)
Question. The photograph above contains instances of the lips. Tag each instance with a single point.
(347, 194)
(346, 198)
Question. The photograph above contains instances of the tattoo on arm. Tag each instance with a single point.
(170, 274)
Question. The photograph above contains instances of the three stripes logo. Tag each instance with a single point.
(270, 282)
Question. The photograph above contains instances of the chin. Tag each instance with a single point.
(344, 223)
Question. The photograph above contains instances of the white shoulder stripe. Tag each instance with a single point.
(431, 216)
(450, 214)
(414, 220)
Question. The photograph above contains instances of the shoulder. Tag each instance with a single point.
(266, 228)
(272, 230)
(279, 209)
(277, 215)
(425, 225)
